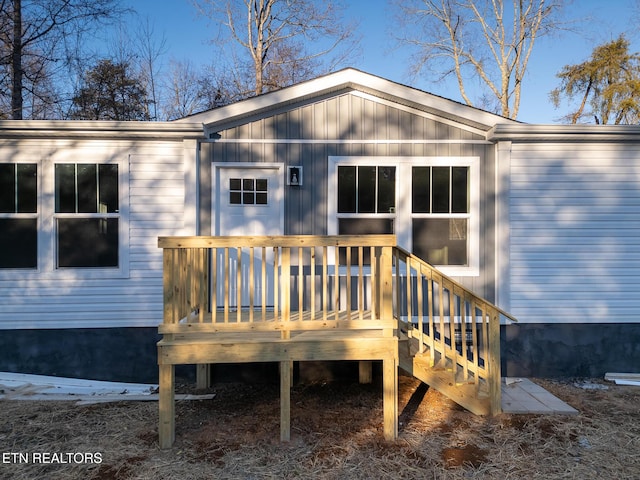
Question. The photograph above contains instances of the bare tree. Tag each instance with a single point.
(184, 91)
(282, 40)
(151, 49)
(478, 39)
(39, 33)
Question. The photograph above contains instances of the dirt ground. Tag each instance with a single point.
(336, 434)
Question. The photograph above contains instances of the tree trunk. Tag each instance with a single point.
(16, 60)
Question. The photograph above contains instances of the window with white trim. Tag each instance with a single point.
(430, 203)
(87, 215)
(366, 199)
(19, 215)
(440, 214)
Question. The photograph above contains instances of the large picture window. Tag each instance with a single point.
(87, 215)
(18, 215)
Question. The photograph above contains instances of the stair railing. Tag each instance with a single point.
(456, 328)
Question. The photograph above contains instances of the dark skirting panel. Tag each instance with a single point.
(130, 355)
(570, 350)
(110, 354)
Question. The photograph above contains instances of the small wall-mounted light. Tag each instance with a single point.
(294, 176)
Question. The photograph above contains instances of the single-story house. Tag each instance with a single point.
(542, 220)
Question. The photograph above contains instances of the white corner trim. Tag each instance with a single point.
(503, 229)
(191, 161)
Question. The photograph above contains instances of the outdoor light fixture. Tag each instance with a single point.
(294, 176)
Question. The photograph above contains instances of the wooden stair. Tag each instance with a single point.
(444, 378)
(449, 337)
(300, 298)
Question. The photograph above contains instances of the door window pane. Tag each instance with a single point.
(248, 191)
(247, 198)
(261, 191)
(235, 198)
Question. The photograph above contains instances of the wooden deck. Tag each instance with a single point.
(308, 298)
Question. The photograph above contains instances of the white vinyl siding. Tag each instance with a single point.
(574, 229)
(153, 203)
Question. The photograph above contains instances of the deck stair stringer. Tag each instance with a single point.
(443, 378)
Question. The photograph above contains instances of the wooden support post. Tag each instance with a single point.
(203, 375)
(390, 398)
(365, 371)
(166, 406)
(386, 287)
(495, 374)
(285, 400)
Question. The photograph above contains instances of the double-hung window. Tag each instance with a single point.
(87, 215)
(431, 204)
(440, 212)
(18, 215)
(366, 199)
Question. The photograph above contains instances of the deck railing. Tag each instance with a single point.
(282, 283)
(297, 283)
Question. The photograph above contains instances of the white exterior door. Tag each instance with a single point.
(247, 200)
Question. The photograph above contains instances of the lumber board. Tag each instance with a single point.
(289, 241)
(211, 351)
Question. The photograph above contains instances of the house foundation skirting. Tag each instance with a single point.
(110, 354)
(130, 354)
(547, 350)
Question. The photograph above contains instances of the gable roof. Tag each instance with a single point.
(346, 80)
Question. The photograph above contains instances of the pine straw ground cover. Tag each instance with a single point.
(336, 434)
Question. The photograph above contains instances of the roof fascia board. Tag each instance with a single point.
(349, 79)
(564, 133)
(99, 129)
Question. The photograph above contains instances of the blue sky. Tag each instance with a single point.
(188, 37)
